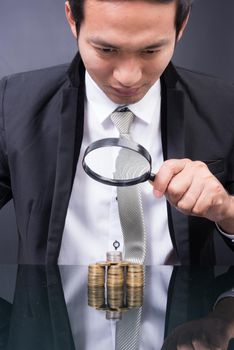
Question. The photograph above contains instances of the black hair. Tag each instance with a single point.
(183, 9)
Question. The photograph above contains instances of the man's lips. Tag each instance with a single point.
(125, 92)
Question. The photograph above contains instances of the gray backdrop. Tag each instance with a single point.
(34, 34)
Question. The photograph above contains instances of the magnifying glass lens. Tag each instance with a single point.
(117, 163)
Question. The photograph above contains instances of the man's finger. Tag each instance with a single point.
(188, 201)
(168, 170)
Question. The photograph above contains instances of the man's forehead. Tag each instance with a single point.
(87, 2)
(132, 1)
(126, 6)
(149, 23)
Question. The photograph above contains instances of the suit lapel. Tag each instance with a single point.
(173, 141)
(70, 138)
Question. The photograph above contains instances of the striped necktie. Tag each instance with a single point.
(134, 235)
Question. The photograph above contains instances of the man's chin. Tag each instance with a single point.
(125, 100)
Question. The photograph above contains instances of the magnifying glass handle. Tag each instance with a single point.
(152, 177)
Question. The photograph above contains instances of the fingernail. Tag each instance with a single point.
(158, 194)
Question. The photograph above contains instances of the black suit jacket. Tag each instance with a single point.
(38, 317)
(41, 128)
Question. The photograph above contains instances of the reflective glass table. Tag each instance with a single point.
(54, 308)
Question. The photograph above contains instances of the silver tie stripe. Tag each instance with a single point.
(134, 235)
(129, 201)
(128, 330)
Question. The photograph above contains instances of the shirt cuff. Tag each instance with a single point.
(229, 294)
(231, 237)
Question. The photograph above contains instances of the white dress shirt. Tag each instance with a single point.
(92, 222)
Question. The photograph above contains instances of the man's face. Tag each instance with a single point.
(126, 45)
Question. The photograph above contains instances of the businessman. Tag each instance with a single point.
(185, 120)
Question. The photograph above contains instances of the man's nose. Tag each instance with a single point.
(128, 73)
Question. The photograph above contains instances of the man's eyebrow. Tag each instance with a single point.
(156, 45)
(103, 43)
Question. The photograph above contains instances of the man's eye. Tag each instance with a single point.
(149, 52)
(106, 49)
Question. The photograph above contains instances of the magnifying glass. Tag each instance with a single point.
(118, 162)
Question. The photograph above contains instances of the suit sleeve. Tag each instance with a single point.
(230, 182)
(224, 283)
(5, 183)
(229, 239)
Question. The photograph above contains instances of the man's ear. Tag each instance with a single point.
(70, 19)
(184, 24)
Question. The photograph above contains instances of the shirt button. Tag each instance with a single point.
(116, 245)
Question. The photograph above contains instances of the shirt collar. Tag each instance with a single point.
(104, 106)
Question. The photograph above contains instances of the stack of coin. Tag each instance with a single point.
(135, 275)
(96, 286)
(96, 276)
(115, 286)
(115, 298)
(135, 283)
(115, 283)
(134, 297)
(113, 315)
(96, 297)
(115, 276)
(114, 256)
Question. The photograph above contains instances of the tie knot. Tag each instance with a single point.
(122, 120)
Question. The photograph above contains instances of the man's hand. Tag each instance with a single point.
(194, 190)
(211, 332)
(204, 334)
